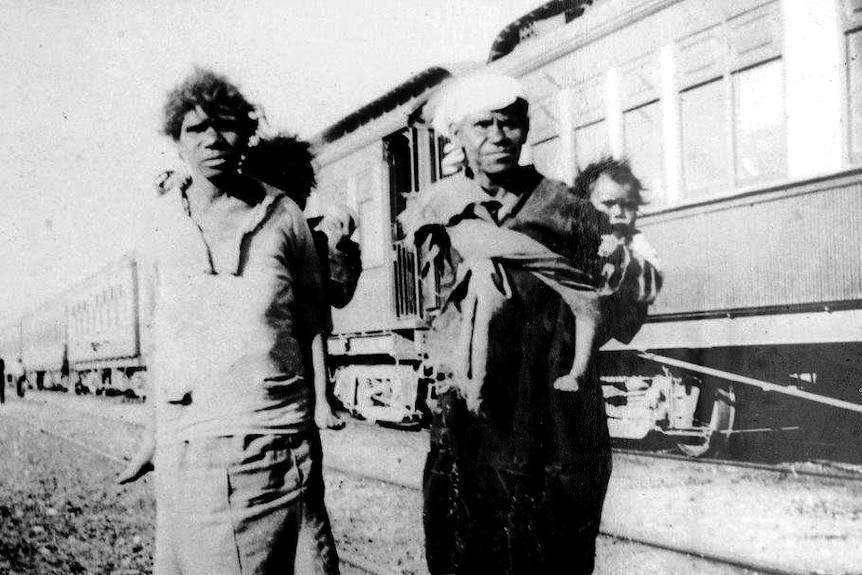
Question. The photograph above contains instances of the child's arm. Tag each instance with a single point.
(632, 282)
(324, 417)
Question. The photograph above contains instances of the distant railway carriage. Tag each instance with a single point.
(373, 161)
(105, 330)
(743, 118)
(89, 337)
(43, 343)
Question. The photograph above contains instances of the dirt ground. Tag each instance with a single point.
(61, 514)
(60, 511)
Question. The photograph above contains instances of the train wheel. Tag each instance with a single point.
(714, 417)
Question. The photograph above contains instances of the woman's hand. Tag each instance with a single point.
(141, 463)
(325, 418)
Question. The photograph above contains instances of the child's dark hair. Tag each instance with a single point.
(618, 170)
(588, 226)
(216, 96)
(285, 162)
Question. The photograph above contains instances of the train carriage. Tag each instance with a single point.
(88, 338)
(105, 335)
(374, 160)
(744, 119)
(43, 344)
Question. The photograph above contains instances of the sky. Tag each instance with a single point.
(84, 82)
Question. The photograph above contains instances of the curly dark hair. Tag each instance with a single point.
(217, 96)
(285, 162)
(618, 170)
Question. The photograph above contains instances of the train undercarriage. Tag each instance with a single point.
(698, 416)
(129, 382)
(693, 400)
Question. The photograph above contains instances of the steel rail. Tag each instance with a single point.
(786, 470)
(764, 385)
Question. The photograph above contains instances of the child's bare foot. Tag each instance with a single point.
(568, 382)
(325, 418)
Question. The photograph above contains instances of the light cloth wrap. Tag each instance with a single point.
(474, 94)
(487, 250)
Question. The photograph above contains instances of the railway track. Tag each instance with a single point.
(740, 564)
(661, 454)
(713, 462)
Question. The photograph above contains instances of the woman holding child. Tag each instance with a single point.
(520, 454)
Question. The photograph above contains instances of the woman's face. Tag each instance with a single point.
(492, 140)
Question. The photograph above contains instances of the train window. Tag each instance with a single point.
(437, 147)
(435, 156)
(546, 158)
(732, 103)
(642, 128)
(854, 87)
(643, 140)
(591, 143)
(705, 135)
(399, 152)
(591, 139)
(759, 130)
(371, 227)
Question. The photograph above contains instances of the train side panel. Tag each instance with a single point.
(782, 249)
(103, 317)
(43, 337)
(357, 181)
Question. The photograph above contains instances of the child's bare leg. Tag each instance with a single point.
(484, 298)
(585, 334)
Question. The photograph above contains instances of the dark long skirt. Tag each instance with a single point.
(519, 487)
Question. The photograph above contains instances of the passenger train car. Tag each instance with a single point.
(89, 338)
(744, 120)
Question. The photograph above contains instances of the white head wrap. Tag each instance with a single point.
(473, 94)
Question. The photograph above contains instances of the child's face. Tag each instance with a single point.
(615, 200)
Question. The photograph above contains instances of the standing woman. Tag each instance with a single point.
(516, 484)
(239, 371)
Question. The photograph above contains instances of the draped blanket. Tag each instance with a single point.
(482, 284)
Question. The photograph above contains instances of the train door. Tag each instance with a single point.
(413, 158)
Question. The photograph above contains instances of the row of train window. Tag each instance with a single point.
(728, 97)
(725, 87)
(727, 94)
(102, 311)
(713, 104)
